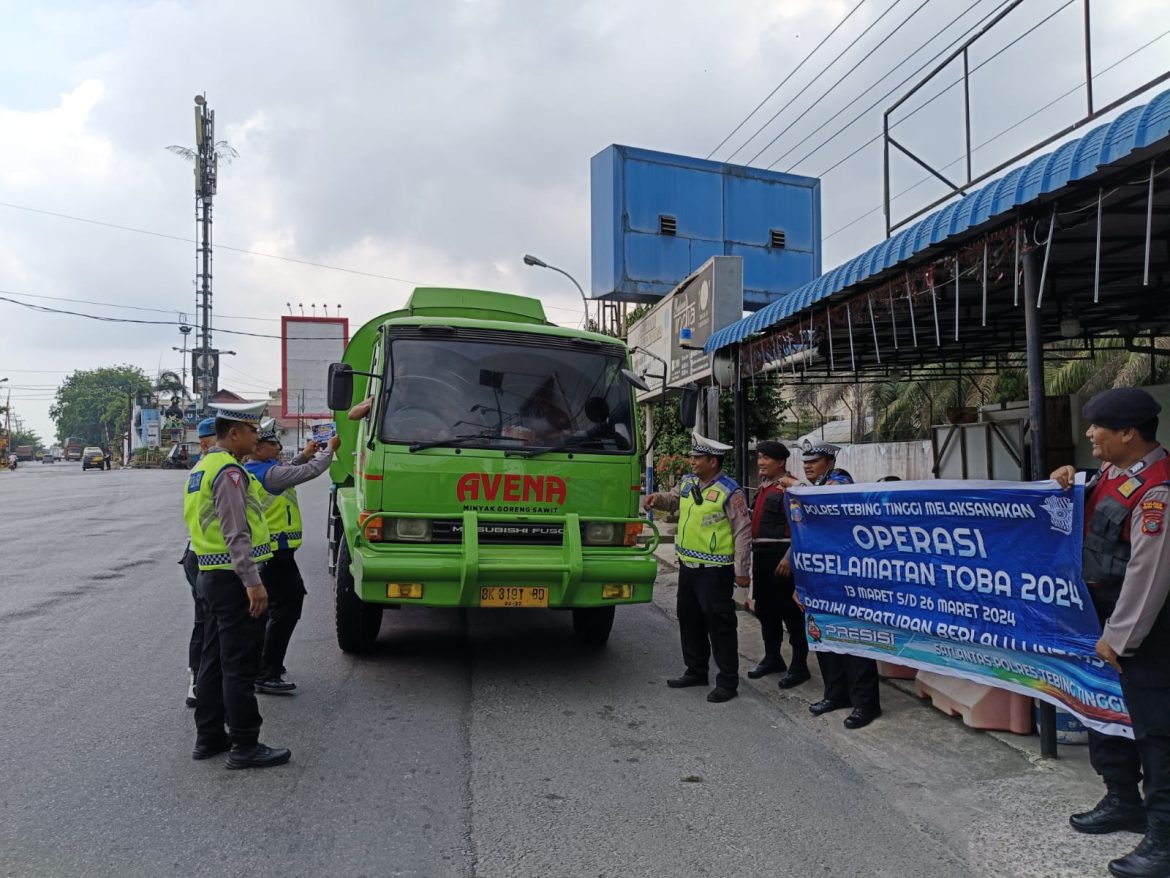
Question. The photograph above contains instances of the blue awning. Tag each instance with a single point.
(1134, 129)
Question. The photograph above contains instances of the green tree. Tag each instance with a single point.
(94, 404)
(26, 437)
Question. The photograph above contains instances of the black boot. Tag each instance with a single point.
(770, 664)
(1114, 813)
(1150, 859)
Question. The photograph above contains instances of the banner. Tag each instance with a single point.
(974, 579)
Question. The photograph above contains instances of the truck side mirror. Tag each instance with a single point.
(636, 380)
(688, 412)
(340, 386)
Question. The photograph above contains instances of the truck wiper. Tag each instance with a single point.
(578, 442)
(461, 439)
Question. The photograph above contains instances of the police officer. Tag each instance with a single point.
(1126, 564)
(714, 549)
(281, 576)
(206, 432)
(774, 594)
(222, 508)
(850, 681)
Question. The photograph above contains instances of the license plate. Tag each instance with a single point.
(513, 596)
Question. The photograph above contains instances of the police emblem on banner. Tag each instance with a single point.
(795, 512)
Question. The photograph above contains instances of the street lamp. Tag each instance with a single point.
(540, 263)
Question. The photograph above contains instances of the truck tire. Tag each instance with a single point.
(593, 624)
(357, 621)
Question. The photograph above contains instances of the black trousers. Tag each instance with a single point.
(229, 664)
(776, 609)
(286, 598)
(1145, 683)
(852, 679)
(1114, 758)
(195, 646)
(706, 622)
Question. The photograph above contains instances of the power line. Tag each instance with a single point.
(843, 77)
(885, 96)
(791, 73)
(994, 137)
(812, 81)
(169, 237)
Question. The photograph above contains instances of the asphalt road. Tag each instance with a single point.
(481, 743)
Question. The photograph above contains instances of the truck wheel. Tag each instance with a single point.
(593, 624)
(357, 621)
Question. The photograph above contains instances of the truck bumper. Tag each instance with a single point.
(453, 575)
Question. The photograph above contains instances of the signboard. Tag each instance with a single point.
(708, 300)
(651, 333)
(308, 345)
(980, 580)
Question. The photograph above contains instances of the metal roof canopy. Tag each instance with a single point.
(1081, 232)
(950, 288)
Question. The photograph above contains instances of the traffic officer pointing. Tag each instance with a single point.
(222, 508)
(1126, 564)
(282, 577)
(714, 544)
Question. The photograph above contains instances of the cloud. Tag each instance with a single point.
(436, 143)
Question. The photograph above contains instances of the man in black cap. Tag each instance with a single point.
(714, 544)
(850, 680)
(774, 594)
(1126, 564)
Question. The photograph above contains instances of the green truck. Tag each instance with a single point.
(496, 464)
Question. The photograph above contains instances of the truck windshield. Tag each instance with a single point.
(526, 392)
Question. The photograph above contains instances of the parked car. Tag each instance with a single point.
(92, 458)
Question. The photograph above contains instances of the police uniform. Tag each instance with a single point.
(713, 544)
(850, 680)
(772, 593)
(205, 430)
(230, 538)
(1126, 564)
(281, 576)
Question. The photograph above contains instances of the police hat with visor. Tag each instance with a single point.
(251, 413)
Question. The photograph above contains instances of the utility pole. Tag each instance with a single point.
(206, 173)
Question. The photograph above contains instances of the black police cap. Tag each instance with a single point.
(1120, 407)
(773, 449)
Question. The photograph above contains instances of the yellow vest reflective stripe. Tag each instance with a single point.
(282, 512)
(704, 532)
(203, 525)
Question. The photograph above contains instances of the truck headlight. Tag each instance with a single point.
(601, 533)
(411, 530)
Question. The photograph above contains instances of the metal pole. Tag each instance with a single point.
(1038, 428)
(739, 428)
(886, 165)
(1149, 227)
(967, 109)
(1088, 60)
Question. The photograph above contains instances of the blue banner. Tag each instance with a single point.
(974, 579)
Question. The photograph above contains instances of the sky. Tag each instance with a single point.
(405, 144)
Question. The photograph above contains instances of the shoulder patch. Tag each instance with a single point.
(1153, 515)
(194, 481)
(234, 475)
(739, 502)
(1126, 488)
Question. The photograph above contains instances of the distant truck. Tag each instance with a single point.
(497, 466)
(74, 446)
(24, 452)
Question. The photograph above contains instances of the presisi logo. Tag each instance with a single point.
(512, 488)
